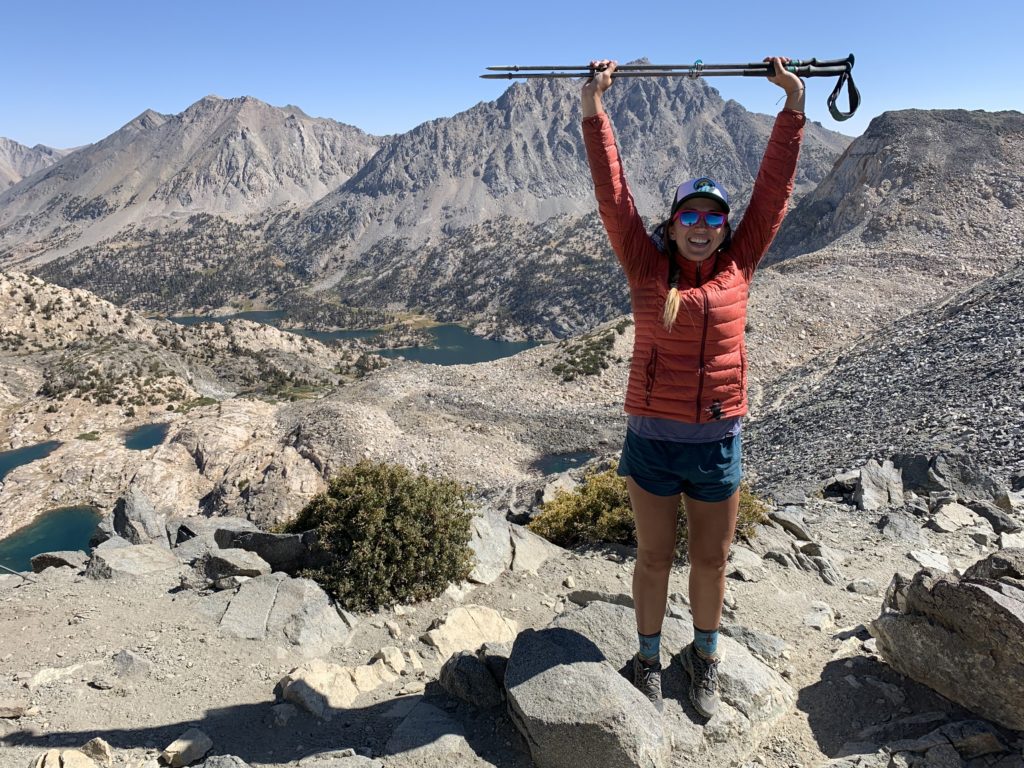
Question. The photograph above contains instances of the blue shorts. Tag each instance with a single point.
(703, 471)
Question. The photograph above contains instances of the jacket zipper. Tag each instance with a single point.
(703, 342)
(652, 370)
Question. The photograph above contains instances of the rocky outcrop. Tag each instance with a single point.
(598, 718)
(888, 188)
(237, 156)
(963, 637)
(18, 161)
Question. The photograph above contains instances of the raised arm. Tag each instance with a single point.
(775, 178)
(625, 228)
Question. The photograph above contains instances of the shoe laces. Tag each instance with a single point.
(648, 678)
(706, 672)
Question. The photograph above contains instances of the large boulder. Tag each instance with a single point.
(491, 543)
(63, 559)
(222, 563)
(947, 471)
(962, 637)
(289, 552)
(599, 718)
(879, 485)
(136, 520)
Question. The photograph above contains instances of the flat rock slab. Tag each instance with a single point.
(468, 627)
(129, 561)
(591, 719)
(429, 737)
(290, 612)
(247, 613)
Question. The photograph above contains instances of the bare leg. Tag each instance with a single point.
(711, 526)
(656, 518)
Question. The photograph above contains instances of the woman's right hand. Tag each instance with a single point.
(596, 85)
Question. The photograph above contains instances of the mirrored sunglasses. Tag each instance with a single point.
(687, 217)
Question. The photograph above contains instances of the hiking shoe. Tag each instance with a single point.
(647, 680)
(703, 674)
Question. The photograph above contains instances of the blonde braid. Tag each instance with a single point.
(668, 316)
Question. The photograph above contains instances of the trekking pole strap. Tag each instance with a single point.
(852, 93)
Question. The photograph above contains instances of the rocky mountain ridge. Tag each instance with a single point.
(18, 161)
(517, 159)
(522, 156)
(947, 375)
(948, 181)
(231, 157)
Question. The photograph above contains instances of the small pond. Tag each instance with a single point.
(11, 459)
(67, 528)
(556, 463)
(144, 437)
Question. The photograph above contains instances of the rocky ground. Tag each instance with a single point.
(138, 660)
(264, 455)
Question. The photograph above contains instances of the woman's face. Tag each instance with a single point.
(699, 241)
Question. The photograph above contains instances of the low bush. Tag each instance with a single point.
(599, 512)
(390, 535)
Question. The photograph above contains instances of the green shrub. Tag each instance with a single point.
(88, 436)
(392, 536)
(599, 512)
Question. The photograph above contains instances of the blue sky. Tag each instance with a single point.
(76, 72)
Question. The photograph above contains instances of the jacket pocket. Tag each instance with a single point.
(652, 372)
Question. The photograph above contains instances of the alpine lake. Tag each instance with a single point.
(65, 528)
(452, 344)
(69, 528)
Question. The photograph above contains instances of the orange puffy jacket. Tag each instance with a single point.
(697, 371)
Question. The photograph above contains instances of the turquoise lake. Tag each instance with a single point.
(11, 459)
(59, 529)
(453, 344)
(146, 436)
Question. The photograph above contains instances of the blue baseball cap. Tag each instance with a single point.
(702, 187)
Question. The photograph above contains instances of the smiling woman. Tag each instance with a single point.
(689, 281)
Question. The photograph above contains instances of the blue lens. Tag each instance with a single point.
(712, 219)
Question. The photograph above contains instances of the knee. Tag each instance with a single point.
(655, 561)
(713, 560)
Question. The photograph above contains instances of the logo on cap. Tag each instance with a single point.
(704, 185)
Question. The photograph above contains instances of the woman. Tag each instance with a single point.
(687, 383)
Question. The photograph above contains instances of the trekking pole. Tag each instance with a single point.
(16, 573)
(843, 68)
